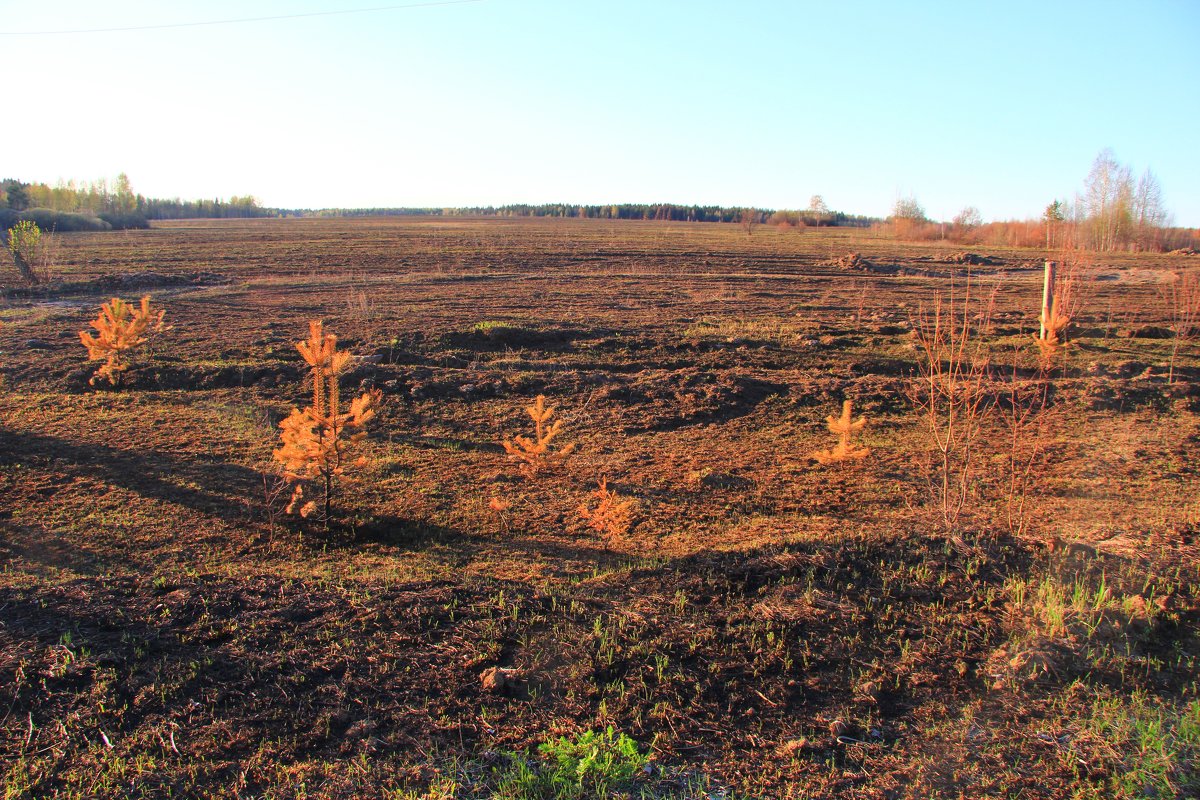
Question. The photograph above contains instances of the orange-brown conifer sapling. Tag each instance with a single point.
(611, 516)
(535, 454)
(120, 328)
(844, 426)
(318, 441)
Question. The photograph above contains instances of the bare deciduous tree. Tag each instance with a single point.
(968, 219)
(817, 210)
(749, 219)
(907, 216)
(1149, 215)
(1108, 201)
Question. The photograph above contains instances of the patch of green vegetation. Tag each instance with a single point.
(491, 327)
(1152, 748)
(590, 765)
(784, 331)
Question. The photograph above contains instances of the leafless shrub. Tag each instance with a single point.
(949, 395)
(1182, 296)
(1024, 419)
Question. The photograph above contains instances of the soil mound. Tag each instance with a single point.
(971, 259)
(853, 261)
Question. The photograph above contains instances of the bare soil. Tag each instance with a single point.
(769, 626)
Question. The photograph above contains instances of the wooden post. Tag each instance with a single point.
(1048, 294)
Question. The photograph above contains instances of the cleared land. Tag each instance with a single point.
(165, 631)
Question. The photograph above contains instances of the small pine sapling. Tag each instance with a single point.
(535, 454)
(318, 440)
(612, 515)
(120, 329)
(844, 426)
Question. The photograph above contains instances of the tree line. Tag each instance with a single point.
(102, 204)
(1114, 211)
(672, 212)
(96, 205)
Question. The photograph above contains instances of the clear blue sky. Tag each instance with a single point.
(998, 105)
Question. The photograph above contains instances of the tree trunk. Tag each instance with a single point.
(23, 267)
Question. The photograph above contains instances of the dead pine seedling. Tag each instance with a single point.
(318, 441)
(535, 454)
(500, 506)
(120, 329)
(1052, 340)
(948, 394)
(612, 515)
(845, 427)
(1060, 305)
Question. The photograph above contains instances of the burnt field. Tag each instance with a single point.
(761, 626)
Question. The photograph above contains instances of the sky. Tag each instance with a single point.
(999, 105)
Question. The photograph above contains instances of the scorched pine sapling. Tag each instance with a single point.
(535, 454)
(120, 328)
(611, 517)
(318, 441)
(844, 426)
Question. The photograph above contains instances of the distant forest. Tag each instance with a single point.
(102, 205)
(813, 217)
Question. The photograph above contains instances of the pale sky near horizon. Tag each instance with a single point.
(1002, 106)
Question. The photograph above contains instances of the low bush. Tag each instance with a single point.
(63, 222)
(123, 221)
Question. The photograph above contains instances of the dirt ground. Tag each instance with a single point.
(765, 627)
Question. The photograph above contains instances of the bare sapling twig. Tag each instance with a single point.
(949, 393)
(1183, 303)
(274, 487)
(360, 301)
(1024, 421)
